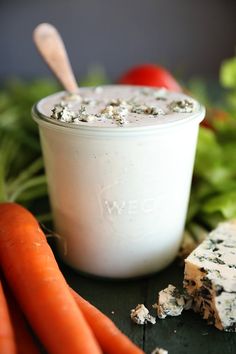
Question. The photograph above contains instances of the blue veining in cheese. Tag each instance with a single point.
(210, 277)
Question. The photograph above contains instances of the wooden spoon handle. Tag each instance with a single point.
(51, 47)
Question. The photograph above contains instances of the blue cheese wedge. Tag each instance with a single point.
(210, 277)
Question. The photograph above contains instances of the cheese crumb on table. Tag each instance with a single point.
(210, 277)
(140, 315)
(159, 351)
(169, 302)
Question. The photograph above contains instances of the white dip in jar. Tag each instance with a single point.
(119, 162)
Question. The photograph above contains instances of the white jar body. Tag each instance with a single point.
(119, 201)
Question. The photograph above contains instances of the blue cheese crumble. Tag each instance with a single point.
(169, 302)
(159, 351)
(121, 106)
(182, 106)
(140, 315)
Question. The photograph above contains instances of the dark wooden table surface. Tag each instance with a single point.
(184, 334)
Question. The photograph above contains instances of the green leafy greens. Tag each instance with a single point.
(22, 177)
(213, 194)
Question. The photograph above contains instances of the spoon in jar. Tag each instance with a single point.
(51, 47)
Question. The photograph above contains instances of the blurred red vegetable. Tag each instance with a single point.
(214, 116)
(150, 75)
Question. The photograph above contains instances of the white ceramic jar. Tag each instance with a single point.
(119, 194)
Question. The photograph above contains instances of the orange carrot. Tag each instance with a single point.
(7, 339)
(25, 342)
(111, 339)
(31, 271)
